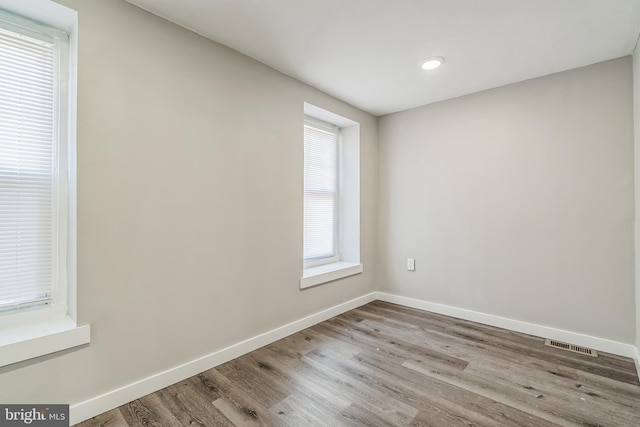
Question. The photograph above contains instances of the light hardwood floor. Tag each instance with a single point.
(388, 365)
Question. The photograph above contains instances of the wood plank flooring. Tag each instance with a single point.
(388, 365)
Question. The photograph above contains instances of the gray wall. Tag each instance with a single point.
(517, 201)
(190, 176)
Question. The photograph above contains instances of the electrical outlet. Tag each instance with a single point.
(411, 264)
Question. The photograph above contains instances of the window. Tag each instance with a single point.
(32, 215)
(331, 236)
(37, 184)
(320, 192)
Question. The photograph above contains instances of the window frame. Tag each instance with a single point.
(26, 334)
(335, 256)
(348, 215)
(57, 303)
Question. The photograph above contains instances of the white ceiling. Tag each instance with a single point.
(367, 52)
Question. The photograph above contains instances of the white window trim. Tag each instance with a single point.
(38, 338)
(348, 262)
(328, 273)
(33, 333)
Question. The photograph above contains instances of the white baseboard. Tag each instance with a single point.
(601, 344)
(637, 360)
(114, 398)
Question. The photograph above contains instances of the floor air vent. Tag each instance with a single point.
(571, 347)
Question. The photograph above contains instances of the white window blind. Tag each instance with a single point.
(320, 191)
(28, 167)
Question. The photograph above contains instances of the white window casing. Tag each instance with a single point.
(33, 167)
(37, 180)
(331, 247)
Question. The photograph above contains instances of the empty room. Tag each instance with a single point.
(319, 213)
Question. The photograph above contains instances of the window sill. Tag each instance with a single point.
(38, 339)
(327, 273)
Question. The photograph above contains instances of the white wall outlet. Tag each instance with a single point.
(411, 264)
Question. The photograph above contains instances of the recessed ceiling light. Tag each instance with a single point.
(432, 63)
